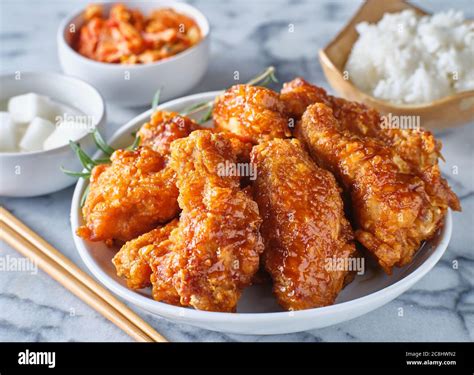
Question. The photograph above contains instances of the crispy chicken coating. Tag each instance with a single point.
(240, 148)
(162, 258)
(391, 208)
(163, 128)
(418, 147)
(129, 197)
(132, 261)
(254, 113)
(297, 95)
(214, 251)
(304, 227)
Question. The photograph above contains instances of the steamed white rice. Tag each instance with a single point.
(408, 59)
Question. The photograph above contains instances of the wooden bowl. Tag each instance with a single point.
(447, 112)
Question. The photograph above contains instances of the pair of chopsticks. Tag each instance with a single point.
(61, 269)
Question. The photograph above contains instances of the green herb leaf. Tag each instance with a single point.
(194, 107)
(101, 144)
(273, 77)
(135, 144)
(102, 161)
(85, 159)
(156, 99)
(207, 116)
(263, 77)
(84, 196)
(75, 174)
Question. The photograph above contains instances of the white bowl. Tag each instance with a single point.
(29, 174)
(175, 75)
(257, 311)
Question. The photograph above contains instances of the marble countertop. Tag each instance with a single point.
(246, 36)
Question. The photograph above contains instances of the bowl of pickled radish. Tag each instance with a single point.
(40, 115)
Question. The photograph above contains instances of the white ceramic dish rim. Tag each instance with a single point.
(200, 17)
(151, 305)
(53, 75)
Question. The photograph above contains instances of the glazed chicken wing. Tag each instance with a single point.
(297, 95)
(214, 252)
(133, 259)
(304, 226)
(219, 241)
(253, 113)
(392, 210)
(129, 197)
(163, 128)
(137, 191)
(417, 147)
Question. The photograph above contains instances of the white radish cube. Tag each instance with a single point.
(24, 108)
(20, 130)
(8, 135)
(65, 132)
(35, 135)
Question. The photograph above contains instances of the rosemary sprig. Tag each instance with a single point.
(135, 144)
(191, 108)
(101, 144)
(207, 115)
(263, 79)
(156, 99)
(85, 159)
(84, 195)
(87, 162)
(75, 174)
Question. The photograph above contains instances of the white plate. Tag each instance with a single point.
(257, 312)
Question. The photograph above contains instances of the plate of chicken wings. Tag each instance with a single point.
(286, 211)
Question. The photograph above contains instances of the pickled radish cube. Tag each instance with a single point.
(66, 131)
(36, 133)
(24, 108)
(8, 133)
(20, 129)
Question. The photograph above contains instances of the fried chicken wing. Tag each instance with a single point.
(163, 128)
(304, 226)
(417, 147)
(137, 191)
(216, 247)
(392, 210)
(297, 95)
(129, 197)
(254, 113)
(133, 259)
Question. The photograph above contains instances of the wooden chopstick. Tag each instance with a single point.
(63, 277)
(31, 245)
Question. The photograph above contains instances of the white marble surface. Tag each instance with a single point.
(246, 36)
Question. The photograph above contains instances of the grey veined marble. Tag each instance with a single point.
(246, 36)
